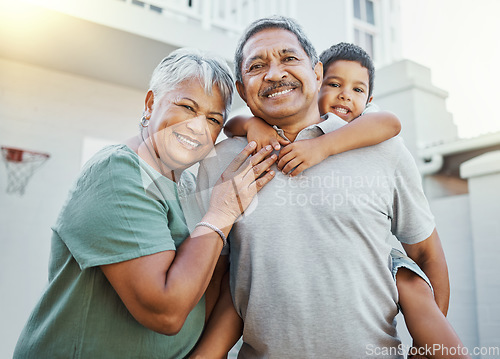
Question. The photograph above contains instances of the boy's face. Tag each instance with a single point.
(344, 91)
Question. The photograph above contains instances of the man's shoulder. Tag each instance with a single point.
(226, 150)
(389, 153)
(214, 164)
(236, 143)
(396, 145)
(223, 153)
(394, 154)
(394, 142)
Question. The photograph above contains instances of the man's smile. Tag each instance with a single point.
(279, 89)
(279, 93)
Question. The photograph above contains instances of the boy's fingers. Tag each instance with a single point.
(289, 148)
(283, 141)
(275, 144)
(291, 165)
(284, 159)
(284, 151)
(300, 168)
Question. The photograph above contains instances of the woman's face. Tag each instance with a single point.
(184, 123)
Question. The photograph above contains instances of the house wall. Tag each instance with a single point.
(452, 216)
(483, 174)
(51, 112)
(453, 222)
(338, 30)
(406, 89)
(337, 16)
(169, 28)
(466, 212)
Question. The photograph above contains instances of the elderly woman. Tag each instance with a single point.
(127, 277)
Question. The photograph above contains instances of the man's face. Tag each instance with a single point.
(344, 91)
(278, 79)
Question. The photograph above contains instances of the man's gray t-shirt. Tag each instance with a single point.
(310, 267)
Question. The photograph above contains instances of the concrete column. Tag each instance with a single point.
(483, 174)
(406, 89)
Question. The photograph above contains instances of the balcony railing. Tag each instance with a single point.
(228, 15)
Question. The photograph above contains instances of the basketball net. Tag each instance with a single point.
(21, 165)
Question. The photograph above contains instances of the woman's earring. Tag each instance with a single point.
(144, 121)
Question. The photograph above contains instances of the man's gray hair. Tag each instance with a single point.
(188, 63)
(273, 22)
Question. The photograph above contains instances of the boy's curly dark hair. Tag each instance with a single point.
(349, 52)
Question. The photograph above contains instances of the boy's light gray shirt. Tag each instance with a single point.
(310, 269)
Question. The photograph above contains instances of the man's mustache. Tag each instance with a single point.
(277, 85)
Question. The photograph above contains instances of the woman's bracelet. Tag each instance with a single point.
(215, 229)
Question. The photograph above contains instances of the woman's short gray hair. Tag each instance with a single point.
(276, 22)
(188, 63)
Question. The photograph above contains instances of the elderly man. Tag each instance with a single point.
(310, 269)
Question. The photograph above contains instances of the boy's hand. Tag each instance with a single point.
(263, 134)
(300, 155)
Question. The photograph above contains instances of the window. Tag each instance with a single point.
(357, 9)
(357, 37)
(370, 16)
(363, 10)
(369, 44)
(365, 31)
(138, 3)
(158, 9)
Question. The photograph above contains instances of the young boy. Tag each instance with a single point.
(348, 75)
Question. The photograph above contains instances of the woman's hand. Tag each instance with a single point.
(240, 182)
(161, 289)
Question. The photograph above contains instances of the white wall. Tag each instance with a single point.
(52, 112)
(483, 174)
(406, 89)
(328, 29)
(329, 22)
(453, 222)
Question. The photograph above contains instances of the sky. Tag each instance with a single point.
(459, 40)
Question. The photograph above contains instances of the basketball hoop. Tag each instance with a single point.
(21, 164)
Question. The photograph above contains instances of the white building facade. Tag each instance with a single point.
(74, 74)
